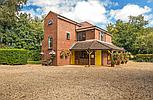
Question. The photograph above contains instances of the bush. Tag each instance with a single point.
(34, 62)
(13, 56)
(143, 58)
(34, 55)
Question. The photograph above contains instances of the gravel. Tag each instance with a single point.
(133, 81)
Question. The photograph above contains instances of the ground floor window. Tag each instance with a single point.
(83, 54)
(50, 42)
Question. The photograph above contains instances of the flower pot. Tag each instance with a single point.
(118, 62)
(112, 65)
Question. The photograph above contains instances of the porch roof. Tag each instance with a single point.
(94, 45)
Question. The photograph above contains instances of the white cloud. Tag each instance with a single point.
(58, 6)
(149, 17)
(32, 12)
(150, 1)
(129, 10)
(43, 3)
(93, 11)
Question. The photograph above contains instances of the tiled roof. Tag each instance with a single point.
(94, 45)
(88, 26)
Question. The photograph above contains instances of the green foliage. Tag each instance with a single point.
(34, 55)
(143, 58)
(13, 56)
(8, 11)
(133, 36)
(27, 33)
(34, 62)
(3, 46)
(117, 58)
(20, 30)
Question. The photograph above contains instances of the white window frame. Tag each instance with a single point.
(50, 40)
(101, 34)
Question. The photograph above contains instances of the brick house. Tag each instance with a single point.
(62, 34)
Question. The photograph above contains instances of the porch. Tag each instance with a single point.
(92, 52)
(97, 57)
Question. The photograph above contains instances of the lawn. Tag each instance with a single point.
(133, 81)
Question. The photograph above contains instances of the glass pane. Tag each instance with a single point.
(68, 36)
(50, 41)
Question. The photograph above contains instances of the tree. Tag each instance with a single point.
(131, 35)
(20, 30)
(8, 12)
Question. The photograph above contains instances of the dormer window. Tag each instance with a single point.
(50, 22)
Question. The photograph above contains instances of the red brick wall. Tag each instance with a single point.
(90, 34)
(62, 42)
(58, 31)
(97, 34)
(104, 58)
(50, 30)
(94, 34)
(108, 38)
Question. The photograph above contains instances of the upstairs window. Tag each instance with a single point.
(50, 42)
(68, 35)
(81, 36)
(50, 22)
(101, 34)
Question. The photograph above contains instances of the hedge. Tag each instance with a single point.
(34, 62)
(143, 58)
(34, 55)
(13, 56)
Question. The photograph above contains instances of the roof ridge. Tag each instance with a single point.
(86, 22)
(91, 44)
(73, 45)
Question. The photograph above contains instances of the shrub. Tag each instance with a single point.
(34, 55)
(116, 57)
(13, 56)
(143, 58)
(34, 62)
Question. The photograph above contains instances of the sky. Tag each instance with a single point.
(98, 12)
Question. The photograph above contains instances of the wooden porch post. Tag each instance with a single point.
(89, 53)
(112, 59)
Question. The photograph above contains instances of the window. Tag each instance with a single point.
(50, 22)
(84, 55)
(68, 35)
(50, 42)
(101, 36)
(81, 36)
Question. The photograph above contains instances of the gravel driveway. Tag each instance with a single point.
(133, 81)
